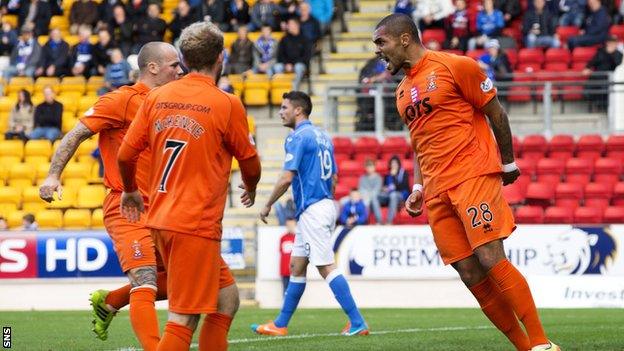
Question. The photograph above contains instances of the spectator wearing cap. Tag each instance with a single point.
(596, 27)
(495, 62)
(25, 55)
(572, 12)
(457, 28)
(539, 27)
(490, 23)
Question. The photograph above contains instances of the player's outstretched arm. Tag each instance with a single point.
(67, 149)
(414, 202)
(250, 172)
(282, 185)
(502, 131)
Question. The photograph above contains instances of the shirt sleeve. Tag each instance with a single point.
(137, 135)
(105, 114)
(237, 138)
(472, 82)
(294, 148)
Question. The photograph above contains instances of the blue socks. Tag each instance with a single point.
(340, 288)
(295, 289)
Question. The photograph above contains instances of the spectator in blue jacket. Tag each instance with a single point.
(405, 7)
(323, 11)
(354, 211)
(395, 189)
(596, 29)
(572, 12)
(490, 23)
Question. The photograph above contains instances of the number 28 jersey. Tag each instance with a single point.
(193, 129)
(310, 155)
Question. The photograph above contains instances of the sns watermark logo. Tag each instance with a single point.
(582, 251)
(136, 248)
(6, 337)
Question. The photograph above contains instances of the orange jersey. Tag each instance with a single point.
(111, 116)
(440, 100)
(194, 130)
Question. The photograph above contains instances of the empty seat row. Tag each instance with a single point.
(19, 150)
(86, 196)
(77, 219)
(565, 146)
(566, 215)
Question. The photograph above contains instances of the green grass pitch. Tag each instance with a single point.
(317, 330)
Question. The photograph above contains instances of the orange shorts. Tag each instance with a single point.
(132, 241)
(469, 215)
(195, 271)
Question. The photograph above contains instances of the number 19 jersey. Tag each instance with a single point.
(310, 155)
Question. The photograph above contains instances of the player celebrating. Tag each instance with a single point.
(194, 130)
(111, 116)
(311, 169)
(444, 100)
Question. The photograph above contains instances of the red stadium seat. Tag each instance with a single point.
(582, 54)
(351, 169)
(527, 166)
(615, 147)
(512, 55)
(340, 158)
(455, 52)
(618, 31)
(530, 215)
(362, 157)
(520, 93)
(614, 214)
(579, 170)
(343, 145)
(475, 54)
(607, 171)
(532, 55)
(341, 191)
(534, 146)
(403, 217)
(514, 193)
(598, 195)
(566, 32)
(587, 215)
(568, 195)
(558, 55)
(590, 146)
(366, 144)
(554, 66)
(550, 170)
(561, 215)
(434, 35)
(517, 145)
(573, 92)
(523, 181)
(395, 145)
(540, 194)
(349, 182)
(618, 194)
(561, 147)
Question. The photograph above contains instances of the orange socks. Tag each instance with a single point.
(214, 331)
(500, 313)
(143, 317)
(119, 298)
(516, 291)
(175, 338)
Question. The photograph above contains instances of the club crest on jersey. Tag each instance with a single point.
(414, 94)
(431, 82)
(136, 248)
(487, 85)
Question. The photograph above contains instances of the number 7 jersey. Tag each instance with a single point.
(193, 129)
(310, 155)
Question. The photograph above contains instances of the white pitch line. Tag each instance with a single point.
(306, 336)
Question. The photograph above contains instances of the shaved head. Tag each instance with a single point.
(153, 52)
(397, 24)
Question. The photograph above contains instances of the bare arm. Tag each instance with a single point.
(282, 185)
(500, 126)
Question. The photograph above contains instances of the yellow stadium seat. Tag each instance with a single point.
(73, 85)
(228, 39)
(42, 82)
(86, 148)
(95, 174)
(69, 122)
(280, 83)
(14, 219)
(68, 198)
(4, 123)
(49, 219)
(18, 83)
(257, 90)
(31, 194)
(76, 183)
(6, 162)
(60, 22)
(6, 208)
(97, 219)
(22, 171)
(55, 145)
(19, 182)
(69, 101)
(12, 19)
(42, 171)
(251, 122)
(72, 40)
(37, 98)
(86, 102)
(95, 83)
(33, 207)
(10, 195)
(6, 104)
(38, 148)
(80, 170)
(12, 148)
(90, 196)
(42, 39)
(35, 161)
(77, 219)
(237, 83)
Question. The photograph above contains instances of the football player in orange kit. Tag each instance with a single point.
(194, 130)
(444, 100)
(110, 117)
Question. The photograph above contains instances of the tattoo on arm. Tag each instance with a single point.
(68, 148)
(142, 276)
(502, 131)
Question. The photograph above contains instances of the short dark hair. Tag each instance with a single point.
(300, 99)
(29, 217)
(398, 23)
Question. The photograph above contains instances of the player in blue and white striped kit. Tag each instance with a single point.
(311, 169)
